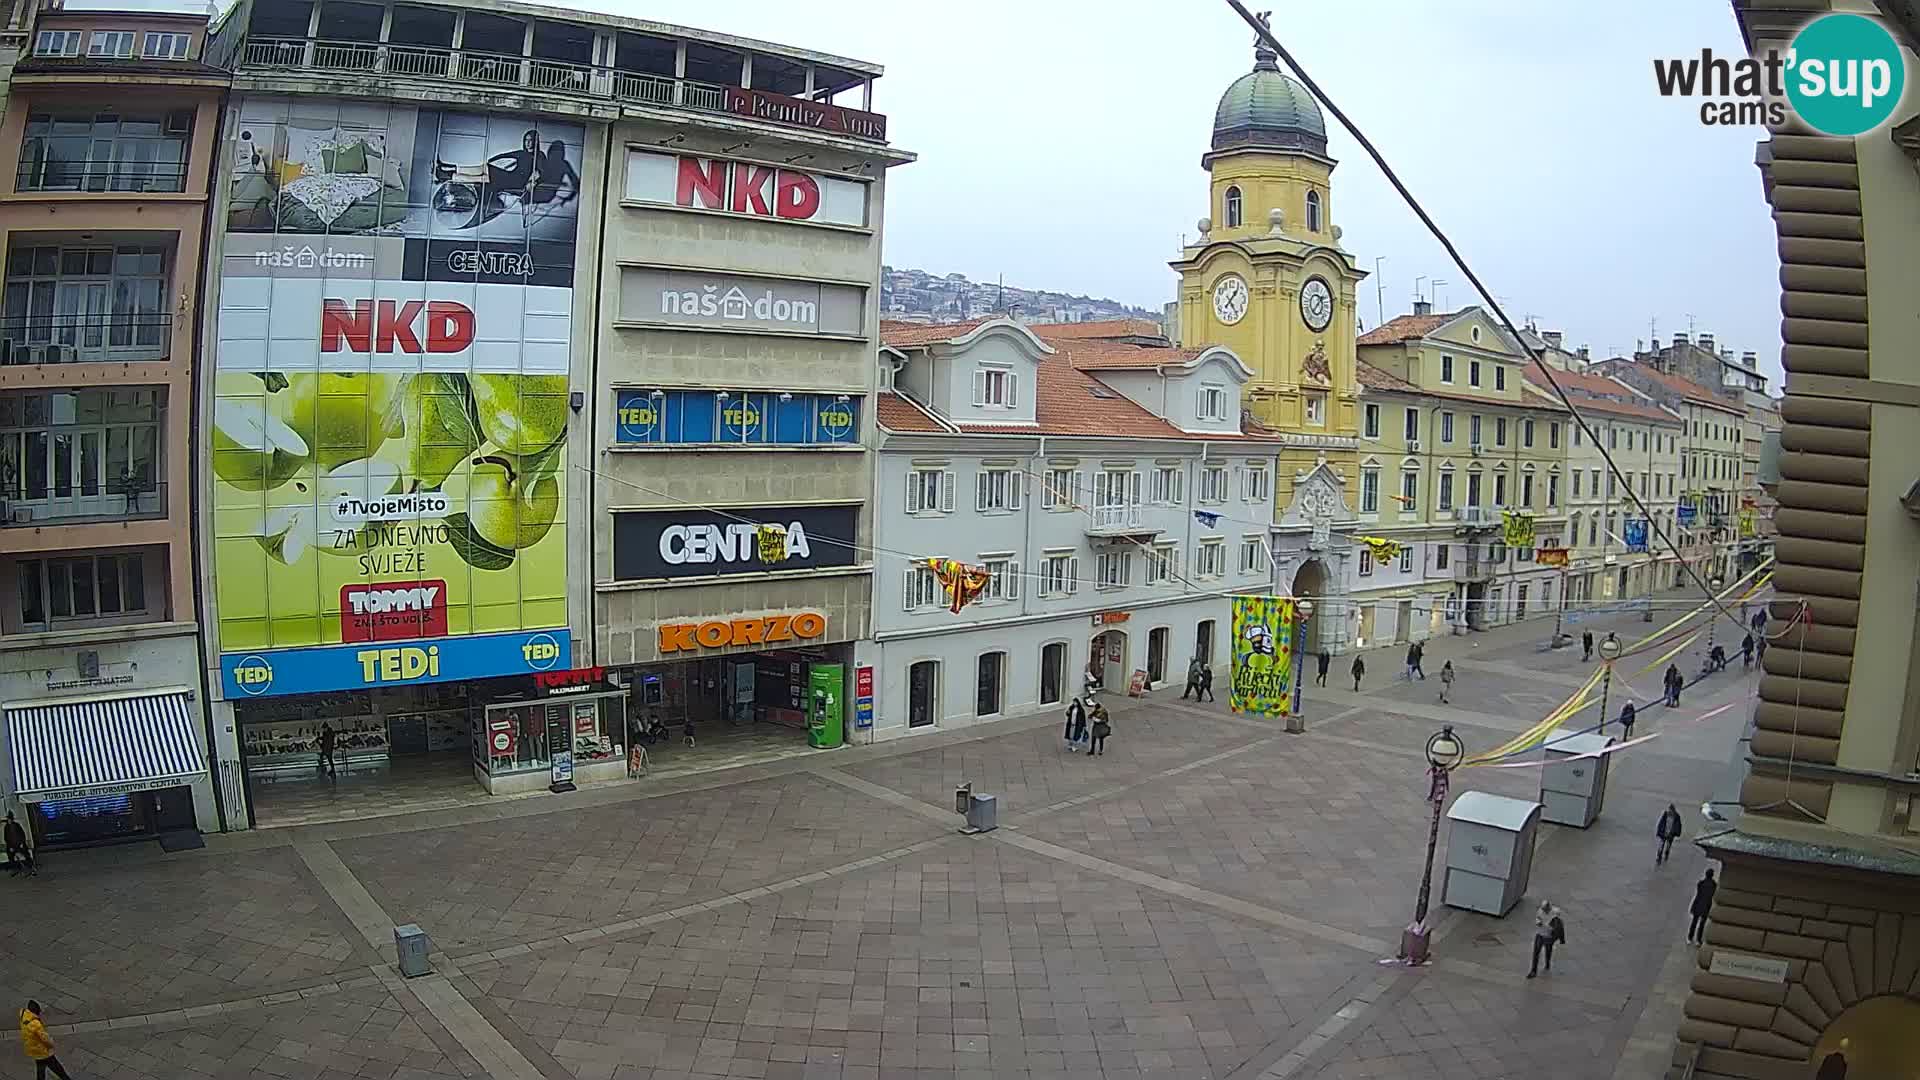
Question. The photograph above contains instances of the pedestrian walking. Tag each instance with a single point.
(1446, 681)
(1666, 831)
(1746, 653)
(1548, 930)
(1326, 661)
(1416, 653)
(1626, 720)
(38, 1045)
(1586, 646)
(1193, 680)
(19, 855)
(1673, 681)
(1102, 727)
(1703, 891)
(1760, 649)
(328, 739)
(1206, 682)
(1076, 723)
(1359, 669)
(1760, 621)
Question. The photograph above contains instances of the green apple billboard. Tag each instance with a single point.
(388, 433)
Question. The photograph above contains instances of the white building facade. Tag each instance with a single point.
(1108, 490)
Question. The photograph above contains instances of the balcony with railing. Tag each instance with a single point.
(95, 150)
(483, 49)
(1117, 520)
(78, 503)
(85, 339)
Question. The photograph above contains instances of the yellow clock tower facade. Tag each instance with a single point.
(1268, 279)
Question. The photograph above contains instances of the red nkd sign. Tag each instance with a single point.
(395, 326)
(740, 188)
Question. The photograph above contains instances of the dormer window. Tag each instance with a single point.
(1233, 211)
(1313, 211)
(995, 388)
(1213, 402)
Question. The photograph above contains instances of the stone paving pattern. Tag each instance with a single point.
(1210, 899)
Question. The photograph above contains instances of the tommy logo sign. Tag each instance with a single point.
(393, 611)
(388, 326)
(746, 188)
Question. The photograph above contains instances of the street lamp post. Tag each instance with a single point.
(1445, 751)
(1714, 585)
(1296, 719)
(1609, 652)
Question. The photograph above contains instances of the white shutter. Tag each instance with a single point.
(979, 386)
(1016, 484)
(1079, 488)
(906, 593)
(1133, 488)
(946, 491)
(980, 490)
(913, 492)
(1013, 389)
(1013, 580)
(1073, 575)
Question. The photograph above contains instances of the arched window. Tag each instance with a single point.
(1313, 211)
(1233, 208)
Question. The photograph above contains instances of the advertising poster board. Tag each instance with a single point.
(1262, 656)
(388, 438)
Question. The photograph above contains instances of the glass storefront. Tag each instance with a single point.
(282, 734)
(521, 735)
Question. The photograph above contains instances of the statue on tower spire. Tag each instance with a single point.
(1263, 55)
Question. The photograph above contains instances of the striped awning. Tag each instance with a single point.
(73, 748)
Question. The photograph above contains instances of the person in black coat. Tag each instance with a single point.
(1666, 831)
(1326, 661)
(1586, 646)
(1206, 683)
(1702, 907)
(1746, 653)
(1359, 670)
(1626, 720)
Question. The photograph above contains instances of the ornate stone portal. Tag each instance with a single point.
(1316, 528)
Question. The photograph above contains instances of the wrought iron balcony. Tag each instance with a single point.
(85, 339)
(156, 177)
(80, 503)
(1124, 519)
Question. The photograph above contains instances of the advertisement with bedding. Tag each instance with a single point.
(391, 401)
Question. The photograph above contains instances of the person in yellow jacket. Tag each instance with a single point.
(38, 1044)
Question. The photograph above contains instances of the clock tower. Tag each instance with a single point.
(1268, 278)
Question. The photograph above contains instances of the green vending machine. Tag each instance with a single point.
(826, 723)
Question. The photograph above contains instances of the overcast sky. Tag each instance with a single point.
(1060, 145)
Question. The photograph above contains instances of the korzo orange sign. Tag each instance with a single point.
(770, 630)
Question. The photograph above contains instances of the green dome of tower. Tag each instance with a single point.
(1264, 109)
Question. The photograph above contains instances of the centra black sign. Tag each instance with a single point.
(752, 540)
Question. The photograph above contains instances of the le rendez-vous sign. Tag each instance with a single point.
(799, 112)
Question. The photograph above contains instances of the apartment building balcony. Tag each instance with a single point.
(1119, 521)
(69, 301)
(478, 49)
(1474, 569)
(91, 503)
(85, 339)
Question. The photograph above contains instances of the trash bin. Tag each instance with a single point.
(983, 814)
(962, 796)
(411, 943)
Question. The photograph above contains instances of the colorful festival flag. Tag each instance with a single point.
(1206, 517)
(1516, 529)
(963, 583)
(1384, 550)
(1636, 534)
(1555, 556)
(1263, 648)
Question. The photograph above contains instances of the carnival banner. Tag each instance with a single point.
(1553, 556)
(1516, 529)
(1384, 550)
(1684, 514)
(1262, 655)
(1635, 537)
(1749, 527)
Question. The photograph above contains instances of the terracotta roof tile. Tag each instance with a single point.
(1105, 328)
(1404, 328)
(1373, 378)
(1105, 355)
(1579, 382)
(897, 412)
(1675, 384)
(908, 335)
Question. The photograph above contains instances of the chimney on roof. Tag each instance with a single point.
(1749, 360)
(1706, 342)
(1553, 338)
(1679, 340)
(1423, 307)
(1585, 355)
(1654, 346)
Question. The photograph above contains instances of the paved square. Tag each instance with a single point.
(1210, 899)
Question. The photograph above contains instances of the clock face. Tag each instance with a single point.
(1316, 304)
(1230, 299)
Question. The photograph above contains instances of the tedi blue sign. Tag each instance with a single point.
(274, 672)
